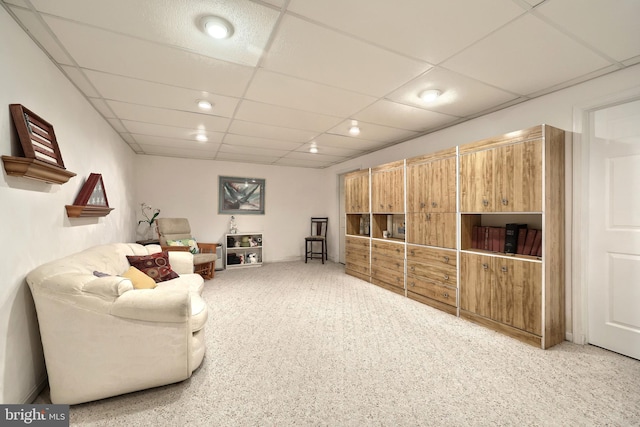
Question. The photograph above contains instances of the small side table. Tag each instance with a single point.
(148, 242)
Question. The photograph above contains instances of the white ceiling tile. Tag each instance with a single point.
(149, 140)
(117, 125)
(373, 132)
(168, 131)
(254, 151)
(418, 28)
(141, 92)
(610, 26)
(162, 116)
(400, 116)
(126, 137)
(241, 127)
(285, 117)
(42, 35)
(332, 151)
(304, 163)
(20, 3)
(291, 92)
(317, 157)
(102, 107)
(541, 53)
(137, 58)
(311, 52)
(461, 96)
(349, 143)
(250, 141)
(246, 157)
(80, 80)
(276, 3)
(177, 23)
(180, 152)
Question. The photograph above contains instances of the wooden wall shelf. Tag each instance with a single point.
(76, 211)
(36, 169)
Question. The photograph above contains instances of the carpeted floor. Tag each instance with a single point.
(294, 344)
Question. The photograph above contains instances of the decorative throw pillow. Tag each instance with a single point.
(155, 266)
(139, 279)
(193, 246)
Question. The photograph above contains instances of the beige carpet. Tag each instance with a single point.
(294, 344)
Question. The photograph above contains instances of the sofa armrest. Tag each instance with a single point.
(181, 262)
(153, 305)
(108, 286)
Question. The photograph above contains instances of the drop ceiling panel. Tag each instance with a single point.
(311, 52)
(246, 157)
(285, 117)
(196, 121)
(610, 26)
(162, 141)
(41, 33)
(102, 107)
(176, 23)
(402, 116)
(254, 151)
(303, 163)
(111, 86)
(418, 28)
(241, 127)
(250, 141)
(291, 92)
(80, 80)
(541, 53)
(346, 142)
(461, 96)
(373, 132)
(333, 151)
(177, 151)
(128, 56)
(168, 131)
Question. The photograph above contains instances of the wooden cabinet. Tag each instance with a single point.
(432, 277)
(504, 293)
(357, 257)
(431, 199)
(243, 250)
(387, 188)
(517, 178)
(356, 191)
(387, 265)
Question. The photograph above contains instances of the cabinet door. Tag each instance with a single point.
(387, 191)
(357, 193)
(477, 182)
(417, 187)
(432, 229)
(518, 177)
(516, 297)
(475, 283)
(441, 183)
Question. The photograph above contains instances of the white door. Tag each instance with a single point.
(613, 291)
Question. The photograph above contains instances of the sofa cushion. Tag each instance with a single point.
(155, 266)
(139, 279)
(198, 313)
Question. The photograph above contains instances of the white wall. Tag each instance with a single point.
(556, 109)
(189, 189)
(35, 227)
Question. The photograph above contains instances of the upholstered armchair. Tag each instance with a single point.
(174, 234)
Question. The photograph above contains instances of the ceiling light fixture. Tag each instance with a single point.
(201, 137)
(203, 104)
(216, 27)
(429, 95)
(354, 129)
(314, 148)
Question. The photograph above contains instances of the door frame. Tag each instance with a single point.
(578, 210)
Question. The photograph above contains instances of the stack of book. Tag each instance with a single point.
(512, 239)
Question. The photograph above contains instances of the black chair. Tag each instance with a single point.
(319, 227)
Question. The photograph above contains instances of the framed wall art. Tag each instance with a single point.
(241, 195)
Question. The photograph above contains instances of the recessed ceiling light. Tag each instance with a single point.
(204, 104)
(201, 137)
(354, 129)
(216, 27)
(314, 148)
(429, 95)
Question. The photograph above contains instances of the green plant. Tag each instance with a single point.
(149, 213)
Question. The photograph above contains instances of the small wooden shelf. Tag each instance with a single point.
(77, 211)
(36, 169)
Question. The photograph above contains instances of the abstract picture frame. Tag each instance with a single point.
(241, 196)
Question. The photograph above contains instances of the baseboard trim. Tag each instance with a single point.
(36, 390)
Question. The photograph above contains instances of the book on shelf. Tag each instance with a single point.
(537, 243)
(486, 239)
(503, 236)
(512, 237)
(522, 236)
(495, 239)
(528, 243)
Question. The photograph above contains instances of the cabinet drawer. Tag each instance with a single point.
(431, 256)
(355, 242)
(391, 277)
(443, 274)
(357, 267)
(356, 253)
(394, 250)
(432, 290)
(394, 264)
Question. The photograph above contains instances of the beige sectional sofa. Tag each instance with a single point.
(102, 337)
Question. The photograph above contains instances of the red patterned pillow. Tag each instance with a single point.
(155, 266)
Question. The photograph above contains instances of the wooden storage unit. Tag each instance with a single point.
(357, 257)
(237, 249)
(431, 199)
(387, 188)
(432, 277)
(387, 265)
(356, 191)
(518, 173)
